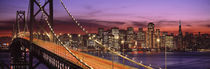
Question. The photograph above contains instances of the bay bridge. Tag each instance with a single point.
(34, 40)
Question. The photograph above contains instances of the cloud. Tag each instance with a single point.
(139, 24)
(198, 23)
(143, 17)
(83, 22)
(166, 23)
(88, 7)
(93, 13)
(206, 25)
(111, 22)
(188, 25)
(6, 25)
(92, 10)
(89, 24)
(101, 22)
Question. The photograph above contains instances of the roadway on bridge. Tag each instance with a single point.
(93, 61)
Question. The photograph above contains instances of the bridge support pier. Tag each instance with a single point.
(18, 55)
(30, 60)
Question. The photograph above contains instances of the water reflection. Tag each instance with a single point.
(175, 60)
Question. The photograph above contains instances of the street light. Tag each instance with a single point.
(158, 43)
(79, 35)
(122, 42)
(158, 40)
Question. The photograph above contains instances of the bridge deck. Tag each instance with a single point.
(93, 61)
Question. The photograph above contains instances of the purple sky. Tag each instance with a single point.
(194, 14)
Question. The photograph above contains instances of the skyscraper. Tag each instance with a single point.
(150, 35)
(163, 39)
(141, 38)
(100, 32)
(115, 32)
(157, 38)
(169, 42)
(180, 38)
(130, 37)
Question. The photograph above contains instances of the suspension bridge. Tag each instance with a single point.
(48, 48)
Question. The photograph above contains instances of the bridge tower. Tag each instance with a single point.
(20, 23)
(33, 14)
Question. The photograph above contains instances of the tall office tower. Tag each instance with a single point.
(169, 42)
(115, 32)
(100, 32)
(141, 38)
(122, 34)
(90, 43)
(130, 37)
(77, 40)
(105, 38)
(157, 39)
(149, 36)
(180, 38)
(163, 39)
(111, 41)
(130, 30)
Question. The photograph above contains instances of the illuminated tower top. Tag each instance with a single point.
(151, 26)
(180, 30)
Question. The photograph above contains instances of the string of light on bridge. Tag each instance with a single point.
(109, 48)
(91, 37)
(51, 29)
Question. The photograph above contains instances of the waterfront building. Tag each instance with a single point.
(180, 39)
(90, 43)
(77, 40)
(100, 32)
(141, 38)
(122, 34)
(130, 37)
(157, 39)
(169, 42)
(150, 35)
(105, 38)
(163, 39)
(111, 41)
(65, 38)
(115, 32)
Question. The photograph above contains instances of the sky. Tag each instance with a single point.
(92, 14)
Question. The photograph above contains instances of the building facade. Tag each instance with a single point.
(141, 38)
(150, 35)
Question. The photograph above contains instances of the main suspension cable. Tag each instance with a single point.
(52, 30)
(100, 44)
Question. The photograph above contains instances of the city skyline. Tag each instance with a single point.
(165, 15)
(104, 34)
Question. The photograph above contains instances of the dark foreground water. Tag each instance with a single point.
(178, 60)
(175, 60)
